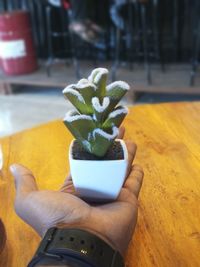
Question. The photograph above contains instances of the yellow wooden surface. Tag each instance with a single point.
(168, 138)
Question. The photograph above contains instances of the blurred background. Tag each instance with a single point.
(45, 45)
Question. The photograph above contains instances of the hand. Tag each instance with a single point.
(114, 222)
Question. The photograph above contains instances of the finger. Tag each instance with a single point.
(66, 181)
(24, 180)
(132, 148)
(68, 186)
(121, 132)
(134, 181)
(69, 190)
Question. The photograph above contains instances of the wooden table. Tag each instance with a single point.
(168, 138)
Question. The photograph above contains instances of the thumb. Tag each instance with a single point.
(24, 180)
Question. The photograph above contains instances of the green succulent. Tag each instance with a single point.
(97, 117)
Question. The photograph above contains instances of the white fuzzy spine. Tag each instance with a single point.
(82, 81)
(70, 90)
(96, 74)
(72, 86)
(106, 135)
(70, 117)
(85, 84)
(118, 112)
(97, 106)
(87, 144)
(122, 85)
(99, 74)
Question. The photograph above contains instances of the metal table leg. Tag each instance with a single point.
(50, 47)
(157, 34)
(5, 6)
(117, 54)
(129, 37)
(145, 44)
(195, 58)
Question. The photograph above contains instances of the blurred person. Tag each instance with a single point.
(82, 20)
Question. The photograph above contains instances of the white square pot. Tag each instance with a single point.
(98, 180)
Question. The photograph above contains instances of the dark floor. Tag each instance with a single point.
(161, 98)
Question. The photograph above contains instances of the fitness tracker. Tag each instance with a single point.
(75, 247)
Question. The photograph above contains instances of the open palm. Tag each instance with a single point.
(114, 222)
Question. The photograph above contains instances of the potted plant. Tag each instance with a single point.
(98, 161)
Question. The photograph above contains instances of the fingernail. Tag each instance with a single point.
(13, 168)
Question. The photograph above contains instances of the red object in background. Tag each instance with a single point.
(17, 52)
(66, 4)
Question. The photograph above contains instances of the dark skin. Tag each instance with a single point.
(113, 222)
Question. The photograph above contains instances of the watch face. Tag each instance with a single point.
(46, 262)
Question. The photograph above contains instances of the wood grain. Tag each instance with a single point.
(168, 230)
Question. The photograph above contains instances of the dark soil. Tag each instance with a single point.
(115, 152)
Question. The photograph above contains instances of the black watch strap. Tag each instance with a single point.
(78, 245)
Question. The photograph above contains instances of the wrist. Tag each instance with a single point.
(93, 230)
(76, 247)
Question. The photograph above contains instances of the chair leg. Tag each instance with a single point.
(73, 48)
(48, 66)
(175, 28)
(5, 88)
(50, 47)
(193, 73)
(75, 59)
(130, 35)
(117, 54)
(41, 32)
(145, 44)
(195, 59)
(156, 33)
(94, 56)
(4, 5)
(63, 27)
(77, 68)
